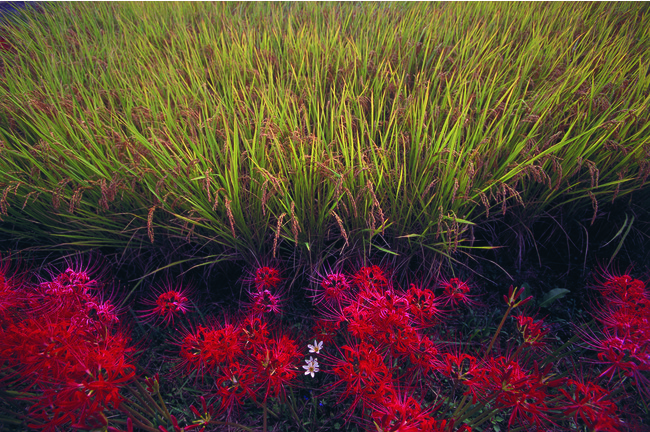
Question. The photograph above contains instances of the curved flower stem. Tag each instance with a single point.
(512, 302)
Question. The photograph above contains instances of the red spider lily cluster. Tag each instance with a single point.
(388, 358)
(249, 359)
(384, 328)
(63, 343)
(265, 295)
(623, 346)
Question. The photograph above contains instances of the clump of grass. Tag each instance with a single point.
(243, 126)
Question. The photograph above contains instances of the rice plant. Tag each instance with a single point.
(314, 126)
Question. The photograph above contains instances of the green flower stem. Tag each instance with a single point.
(22, 416)
(483, 417)
(138, 419)
(267, 409)
(519, 348)
(475, 423)
(494, 338)
(162, 403)
(293, 411)
(145, 406)
(10, 421)
(460, 408)
(17, 394)
(236, 425)
(264, 417)
(315, 403)
(146, 394)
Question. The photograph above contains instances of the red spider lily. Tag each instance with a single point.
(167, 303)
(264, 301)
(363, 374)
(95, 393)
(203, 417)
(510, 386)
(513, 299)
(459, 366)
(621, 355)
(74, 297)
(629, 319)
(376, 314)
(403, 341)
(70, 282)
(371, 279)
(325, 330)
(456, 292)
(622, 287)
(389, 310)
(153, 384)
(532, 332)
(236, 384)
(254, 331)
(623, 349)
(207, 348)
(423, 306)
(275, 365)
(425, 355)
(588, 401)
(359, 321)
(266, 278)
(335, 287)
(401, 413)
(77, 374)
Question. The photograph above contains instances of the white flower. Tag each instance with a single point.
(316, 347)
(311, 367)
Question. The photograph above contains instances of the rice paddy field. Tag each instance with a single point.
(325, 216)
